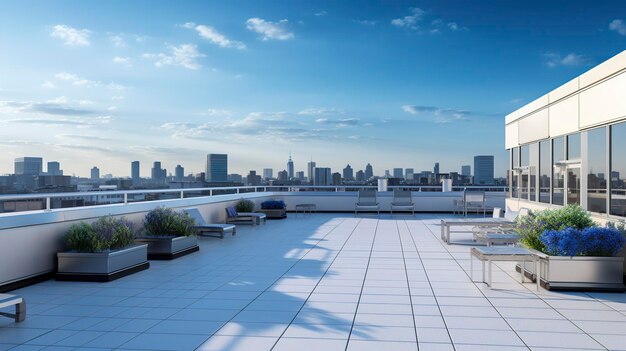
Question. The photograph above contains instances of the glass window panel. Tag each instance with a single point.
(514, 174)
(545, 171)
(524, 158)
(596, 178)
(618, 169)
(558, 176)
(573, 185)
(573, 146)
(524, 155)
(532, 171)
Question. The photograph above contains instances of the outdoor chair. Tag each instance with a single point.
(7, 300)
(402, 200)
(253, 218)
(203, 227)
(367, 201)
(474, 201)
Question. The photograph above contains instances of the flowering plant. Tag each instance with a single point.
(591, 241)
(273, 205)
(165, 221)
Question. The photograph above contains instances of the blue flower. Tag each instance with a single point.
(591, 241)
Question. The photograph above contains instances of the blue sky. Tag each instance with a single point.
(394, 83)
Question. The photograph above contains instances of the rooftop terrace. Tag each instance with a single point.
(322, 282)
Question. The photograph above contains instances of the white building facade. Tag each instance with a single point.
(569, 146)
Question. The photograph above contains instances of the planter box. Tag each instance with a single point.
(580, 273)
(169, 247)
(275, 213)
(102, 266)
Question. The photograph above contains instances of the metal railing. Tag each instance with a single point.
(48, 201)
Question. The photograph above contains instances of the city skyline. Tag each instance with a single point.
(353, 82)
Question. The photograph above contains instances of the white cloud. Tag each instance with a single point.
(618, 26)
(209, 33)
(217, 112)
(315, 111)
(185, 55)
(71, 36)
(453, 26)
(366, 22)
(321, 13)
(411, 21)
(121, 60)
(116, 86)
(119, 97)
(270, 30)
(76, 80)
(437, 114)
(48, 85)
(112, 108)
(118, 41)
(570, 60)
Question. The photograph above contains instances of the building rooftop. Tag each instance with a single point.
(321, 282)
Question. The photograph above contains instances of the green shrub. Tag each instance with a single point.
(531, 227)
(244, 205)
(165, 221)
(107, 233)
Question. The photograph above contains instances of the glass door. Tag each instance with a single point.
(573, 184)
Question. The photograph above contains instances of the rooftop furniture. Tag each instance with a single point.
(203, 227)
(446, 225)
(234, 217)
(402, 200)
(498, 238)
(474, 201)
(7, 300)
(490, 254)
(305, 208)
(367, 201)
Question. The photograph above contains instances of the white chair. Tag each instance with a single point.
(474, 201)
(367, 201)
(402, 200)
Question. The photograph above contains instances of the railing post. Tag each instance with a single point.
(237, 190)
(182, 194)
(48, 204)
(125, 198)
(210, 192)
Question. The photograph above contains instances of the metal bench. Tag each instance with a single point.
(446, 225)
(7, 300)
(305, 208)
(498, 238)
(490, 254)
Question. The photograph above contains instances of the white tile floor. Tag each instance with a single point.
(324, 282)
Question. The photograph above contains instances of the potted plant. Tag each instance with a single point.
(244, 205)
(101, 251)
(576, 254)
(274, 209)
(168, 234)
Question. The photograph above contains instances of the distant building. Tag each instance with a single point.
(179, 173)
(232, 178)
(95, 173)
(483, 170)
(54, 168)
(53, 181)
(268, 173)
(323, 176)
(466, 171)
(311, 171)
(28, 166)
(283, 175)
(134, 172)
(300, 175)
(436, 170)
(336, 178)
(408, 173)
(369, 171)
(398, 173)
(158, 174)
(253, 179)
(217, 168)
(348, 173)
(360, 176)
(387, 174)
(290, 172)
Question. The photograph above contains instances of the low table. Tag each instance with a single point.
(498, 238)
(7, 300)
(507, 254)
(447, 224)
(305, 207)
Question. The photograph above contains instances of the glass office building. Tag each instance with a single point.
(567, 146)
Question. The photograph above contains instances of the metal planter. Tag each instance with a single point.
(275, 213)
(102, 266)
(169, 247)
(580, 273)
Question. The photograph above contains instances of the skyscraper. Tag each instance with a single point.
(336, 178)
(95, 173)
(398, 173)
(290, 167)
(54, 168)
(311, 172)
(323, 176)
(28, 165)
(283, 175)
(300, 175)
(179, 173)
(408, 173)
(436, 169)
(360, 176)
(268, 173)
(369, 171)
(483, 170)
(134, 171)
(466, 171)
(348, 173)
(217, 168)
(158, 174)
